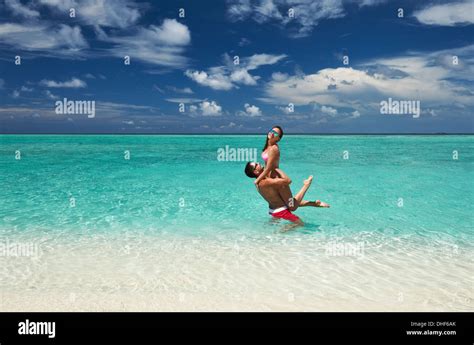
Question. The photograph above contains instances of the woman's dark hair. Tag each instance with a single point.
(266, 141)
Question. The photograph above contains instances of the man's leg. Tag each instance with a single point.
(292, 226)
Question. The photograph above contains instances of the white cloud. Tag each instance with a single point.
(156, 44)
(239, 9)
(157, 88)
(160, 45)
(42, 37)
(329, 110)
(250, 111)
(278, 76)
(64, 40)
(120, 109)
(185, 90)
(231, 125)
(230, 76)
(50, 95)
(267, 9)
(17, 8)
(216, 81)
(170, 32)
(17, 93)
(257, 60)
(355, 113)
(452, 14)
(73, 83)
(115, 113)
(108, 13)
(244, 41)
(371, 2)
(242, 76)
(285, 110)
(414, 76)
(183, 100)
(210, 108)
(308, 13)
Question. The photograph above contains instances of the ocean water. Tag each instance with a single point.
(175, 228)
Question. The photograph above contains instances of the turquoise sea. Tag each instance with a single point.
(404, 202)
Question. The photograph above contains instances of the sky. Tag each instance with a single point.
(236, 66)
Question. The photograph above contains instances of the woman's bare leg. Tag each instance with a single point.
(302, 192)
(286, 195)
(306, 183)
(294, 202)
(297, 201)
(317, 203)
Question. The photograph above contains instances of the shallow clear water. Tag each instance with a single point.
(174, 207)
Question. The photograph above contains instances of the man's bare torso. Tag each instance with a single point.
(271, 193)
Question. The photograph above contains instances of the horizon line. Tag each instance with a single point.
(259, 133)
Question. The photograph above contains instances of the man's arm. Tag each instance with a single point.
(282, 174)
(277, 181)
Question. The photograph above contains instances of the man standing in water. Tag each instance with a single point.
(275, 189)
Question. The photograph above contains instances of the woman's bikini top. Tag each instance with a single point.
(265, 156)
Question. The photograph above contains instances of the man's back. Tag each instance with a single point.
(270, 192)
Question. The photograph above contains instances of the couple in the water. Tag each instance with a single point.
(274, 185)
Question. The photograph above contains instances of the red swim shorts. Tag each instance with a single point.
(285, 214)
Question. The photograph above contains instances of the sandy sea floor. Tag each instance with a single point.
(271, 273)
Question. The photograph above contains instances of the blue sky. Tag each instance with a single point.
(290, 70)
